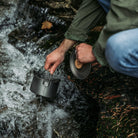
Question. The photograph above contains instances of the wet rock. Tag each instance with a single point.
(21, 34)
(60, 8)
(24, 88)
(4, 4)
(5, 7)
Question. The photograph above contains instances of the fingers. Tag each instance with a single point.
(81, 45)
(77, 49)
(53, 67)
(47, 64)
(84, 53)
(53, 60)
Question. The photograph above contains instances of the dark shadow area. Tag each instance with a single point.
(117, 96)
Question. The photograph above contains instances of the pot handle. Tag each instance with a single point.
(78, 64)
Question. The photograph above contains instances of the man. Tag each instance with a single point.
(117, 45)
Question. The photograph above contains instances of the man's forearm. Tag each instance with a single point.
(89, 13)
(66, 45)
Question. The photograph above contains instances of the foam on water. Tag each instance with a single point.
(22, 113)
(16, 75)
(16, 95)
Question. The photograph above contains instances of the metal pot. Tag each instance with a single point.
(45, 87)
(80, 71)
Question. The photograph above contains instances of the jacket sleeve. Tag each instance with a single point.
(122, 16)
(86, 18)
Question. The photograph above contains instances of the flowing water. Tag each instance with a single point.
(22, 113)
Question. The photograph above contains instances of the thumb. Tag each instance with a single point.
(53, 68)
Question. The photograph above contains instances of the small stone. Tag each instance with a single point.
(24, 88)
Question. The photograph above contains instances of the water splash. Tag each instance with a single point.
(22, 113)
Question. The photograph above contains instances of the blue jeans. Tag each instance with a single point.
(122, 52)
(122, 48)
(105, 4)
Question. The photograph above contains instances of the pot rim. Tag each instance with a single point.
(48, 79)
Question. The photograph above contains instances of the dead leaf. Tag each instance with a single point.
(69, 78)
(112, 97)
(131, 135)
(46, 25)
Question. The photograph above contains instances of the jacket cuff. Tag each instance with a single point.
(99, 53)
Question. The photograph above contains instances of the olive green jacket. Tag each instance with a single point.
(123, 15)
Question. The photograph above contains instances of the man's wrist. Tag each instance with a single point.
(66, 45)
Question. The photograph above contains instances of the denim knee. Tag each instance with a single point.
(113, 51)
(121, 54)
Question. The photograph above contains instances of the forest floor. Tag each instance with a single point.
(117, 96)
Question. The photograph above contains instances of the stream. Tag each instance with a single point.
(22, 113)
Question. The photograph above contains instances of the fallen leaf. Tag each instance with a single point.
(131, 135)
(112, 97)
(46, 25)
(69, 78)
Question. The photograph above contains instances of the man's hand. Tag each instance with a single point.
(85, 53)
(57, 56)
(53, 60)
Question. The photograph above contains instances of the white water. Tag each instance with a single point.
(16, 74)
